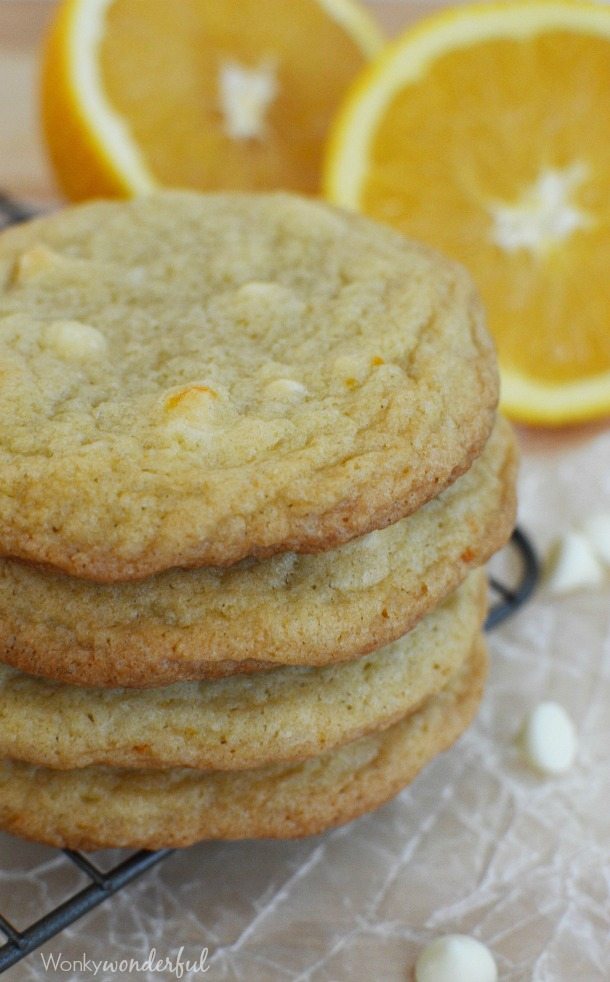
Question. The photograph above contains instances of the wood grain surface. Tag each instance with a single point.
(23, 169)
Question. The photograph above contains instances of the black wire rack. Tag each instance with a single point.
(12, 212)
(507, 598)
(511, 596)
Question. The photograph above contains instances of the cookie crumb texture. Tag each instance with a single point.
(190, 379)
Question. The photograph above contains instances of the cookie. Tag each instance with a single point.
(95, 808)
(245, 721)
(290, 609)
(191, 379)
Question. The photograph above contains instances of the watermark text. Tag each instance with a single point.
(176, 965)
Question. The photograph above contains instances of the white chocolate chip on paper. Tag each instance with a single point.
(548, 739)
(596, 529)
(572, 564)
(456, 958)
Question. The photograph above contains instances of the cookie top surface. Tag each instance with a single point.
(244, 721)
(288, 609)
(190, 379)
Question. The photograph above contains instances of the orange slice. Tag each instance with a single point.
(485, 131)
(202, 93)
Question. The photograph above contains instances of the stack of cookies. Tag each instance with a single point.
(250, 469)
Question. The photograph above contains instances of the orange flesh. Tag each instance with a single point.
(481, 127)
(189, 147)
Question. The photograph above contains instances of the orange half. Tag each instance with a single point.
(485, 131)
(206, 94)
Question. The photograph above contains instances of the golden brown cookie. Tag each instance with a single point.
(191, 379)
(291, 609)
(100, 807)
(245, 721)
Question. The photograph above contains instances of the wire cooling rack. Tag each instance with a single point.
(12, 211)
(510, 596)
(507, 598)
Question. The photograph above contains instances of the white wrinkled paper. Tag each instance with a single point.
(479, 844)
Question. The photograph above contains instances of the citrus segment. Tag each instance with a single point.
(486, 132)
(224, 95)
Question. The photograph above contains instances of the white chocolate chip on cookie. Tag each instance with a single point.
(194, 403)
(34, 262)
(275, 298)
(260, 290)
(285, 390)
(74, 341)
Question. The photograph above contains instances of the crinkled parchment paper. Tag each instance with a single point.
(478, 844)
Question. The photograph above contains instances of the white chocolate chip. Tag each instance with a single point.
(74, 341)
(548, 739)
(285, 390)
(573, 565)
(36, 261)
(194, 403)
(456, 958)
(596, 528)
(261, 290)
(274, 297)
